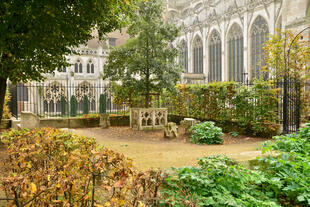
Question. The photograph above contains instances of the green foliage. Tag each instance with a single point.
(85, 105)
(291, 166)
(296, 64)
(126, 95)
(36, 37)
(48, 167)
(146, 63)
(63, 106)
(206, 133)
(73, 106)
(277, 48)
(234, 134)
(218, 181)
(252, 108)
(102, 103)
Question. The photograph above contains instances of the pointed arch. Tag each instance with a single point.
(184, 55)
(215, 57)
(259, 35)
(197, 55)
(235, 53)
(78, 67)
(90, 66)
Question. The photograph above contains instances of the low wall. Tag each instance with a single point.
(69, 122)
(30, 120)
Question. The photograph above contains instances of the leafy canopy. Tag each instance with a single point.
(35, 35)
(146, 63)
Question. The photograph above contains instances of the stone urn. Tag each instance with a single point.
(187, 123)
(148, 118)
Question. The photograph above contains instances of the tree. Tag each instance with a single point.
(146, 62)
(284, 44)
(63, 106)
(103, 103)
(85, 105)
(73, 106)
(36, 35)
(288, 54)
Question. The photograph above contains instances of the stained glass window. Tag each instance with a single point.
(184, 55)
(198, 55)
(235, 53)
(259, 35)
(215, 57)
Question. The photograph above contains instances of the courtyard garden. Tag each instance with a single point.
(55, 167)
(145, 138)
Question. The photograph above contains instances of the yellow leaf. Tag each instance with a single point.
(107, 204)
(29, 165)
(33, 187)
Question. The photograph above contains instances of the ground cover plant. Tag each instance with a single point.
(291, 166)
(48, 167)
(206, 133)
(280, 179)
(218, 181)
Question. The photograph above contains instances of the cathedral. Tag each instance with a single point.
(222, 40)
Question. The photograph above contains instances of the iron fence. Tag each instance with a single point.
(59, 100)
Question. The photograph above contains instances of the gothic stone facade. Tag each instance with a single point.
(222, 40)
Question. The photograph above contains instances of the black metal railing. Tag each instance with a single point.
(58, 100)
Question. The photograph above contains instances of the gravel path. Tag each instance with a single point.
(149, 149)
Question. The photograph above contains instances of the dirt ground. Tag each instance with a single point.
(149, 149)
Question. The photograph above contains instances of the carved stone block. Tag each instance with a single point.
(148, 118)
(171, 130)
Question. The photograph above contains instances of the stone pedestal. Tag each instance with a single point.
(171, 130)
(187, 123)
(29, 120)
(104, 121)
(148, 118)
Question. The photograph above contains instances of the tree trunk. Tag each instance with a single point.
(147, 95)
(2, 95)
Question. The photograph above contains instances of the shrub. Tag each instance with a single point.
(218, 181)
(206, 133)
(291, 166)
(48, 167)
(63, 105)
(85, 105)
(73, 106)
(253, 108)
(102, 103)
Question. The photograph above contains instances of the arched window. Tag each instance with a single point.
(235, 53)
(259, 35)
(90, 67)
(198, 54)
(184, 55)
(215, 57)
(78, 67)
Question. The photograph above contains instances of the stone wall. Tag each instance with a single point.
(31, 121)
